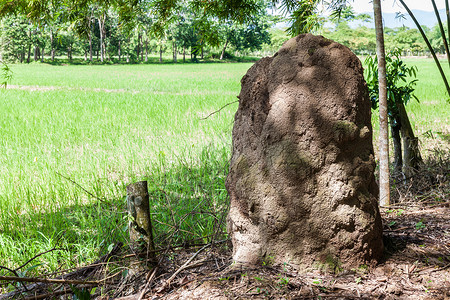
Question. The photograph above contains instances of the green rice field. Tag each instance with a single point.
(73, 137)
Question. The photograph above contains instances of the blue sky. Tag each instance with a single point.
(392, 6)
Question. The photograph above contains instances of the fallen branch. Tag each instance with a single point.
(15, 273)
(186, 264)
(147, 284)
(46, 280)
(84, 271)
(217, 111)
(36, 256)
(48, 295)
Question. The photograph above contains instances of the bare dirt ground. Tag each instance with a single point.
(416, 264)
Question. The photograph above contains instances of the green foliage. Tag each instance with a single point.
(6, 74)
(15, 33)
(283, 281)
(420, 225)
(81, 293)
(304, 17)
(126, 28)
(399, 86)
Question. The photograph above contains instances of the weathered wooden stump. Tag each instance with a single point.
(140, 227)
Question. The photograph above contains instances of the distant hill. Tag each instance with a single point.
(427, 18)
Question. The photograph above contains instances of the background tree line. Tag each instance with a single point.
(98, 33)
(354, 32)
(105, 39)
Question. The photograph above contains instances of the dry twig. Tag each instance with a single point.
(215, 112)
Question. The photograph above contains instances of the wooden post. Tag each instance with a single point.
(140, 227)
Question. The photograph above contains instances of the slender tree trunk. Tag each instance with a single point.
(138, 49)
(29, 54)
(447, 12)
(42, 54)
(52, 46)
(120, 44)
(441, 28)
(174, 51)
(411, 152)
(105, 49)
(101, 38)
(90, 46)
(223, 50)
(142, 47)
(430, 48)
(146, 50)
(160, 53)
(29, 47)
(184, 53)
(384, 127)
(397, 141)
(201, 55)
(35, 52)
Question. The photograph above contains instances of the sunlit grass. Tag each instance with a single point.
(104, 127)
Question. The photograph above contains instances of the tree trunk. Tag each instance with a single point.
(146, 50)
(42, 54)
(184, 53)
(395, 131)
(101, 39)
(35, 52)
(138, 49)
(174, 52)
(384, 127)
(29, 54)
(29, 47)
(90, 46)
(119, 51)
(411, 152)
(140, 227)
(223, 50)
(142, 51)
(201, 56)
(52, 51)
(160, 53)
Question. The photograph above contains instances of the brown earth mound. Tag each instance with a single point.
(301, 178)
